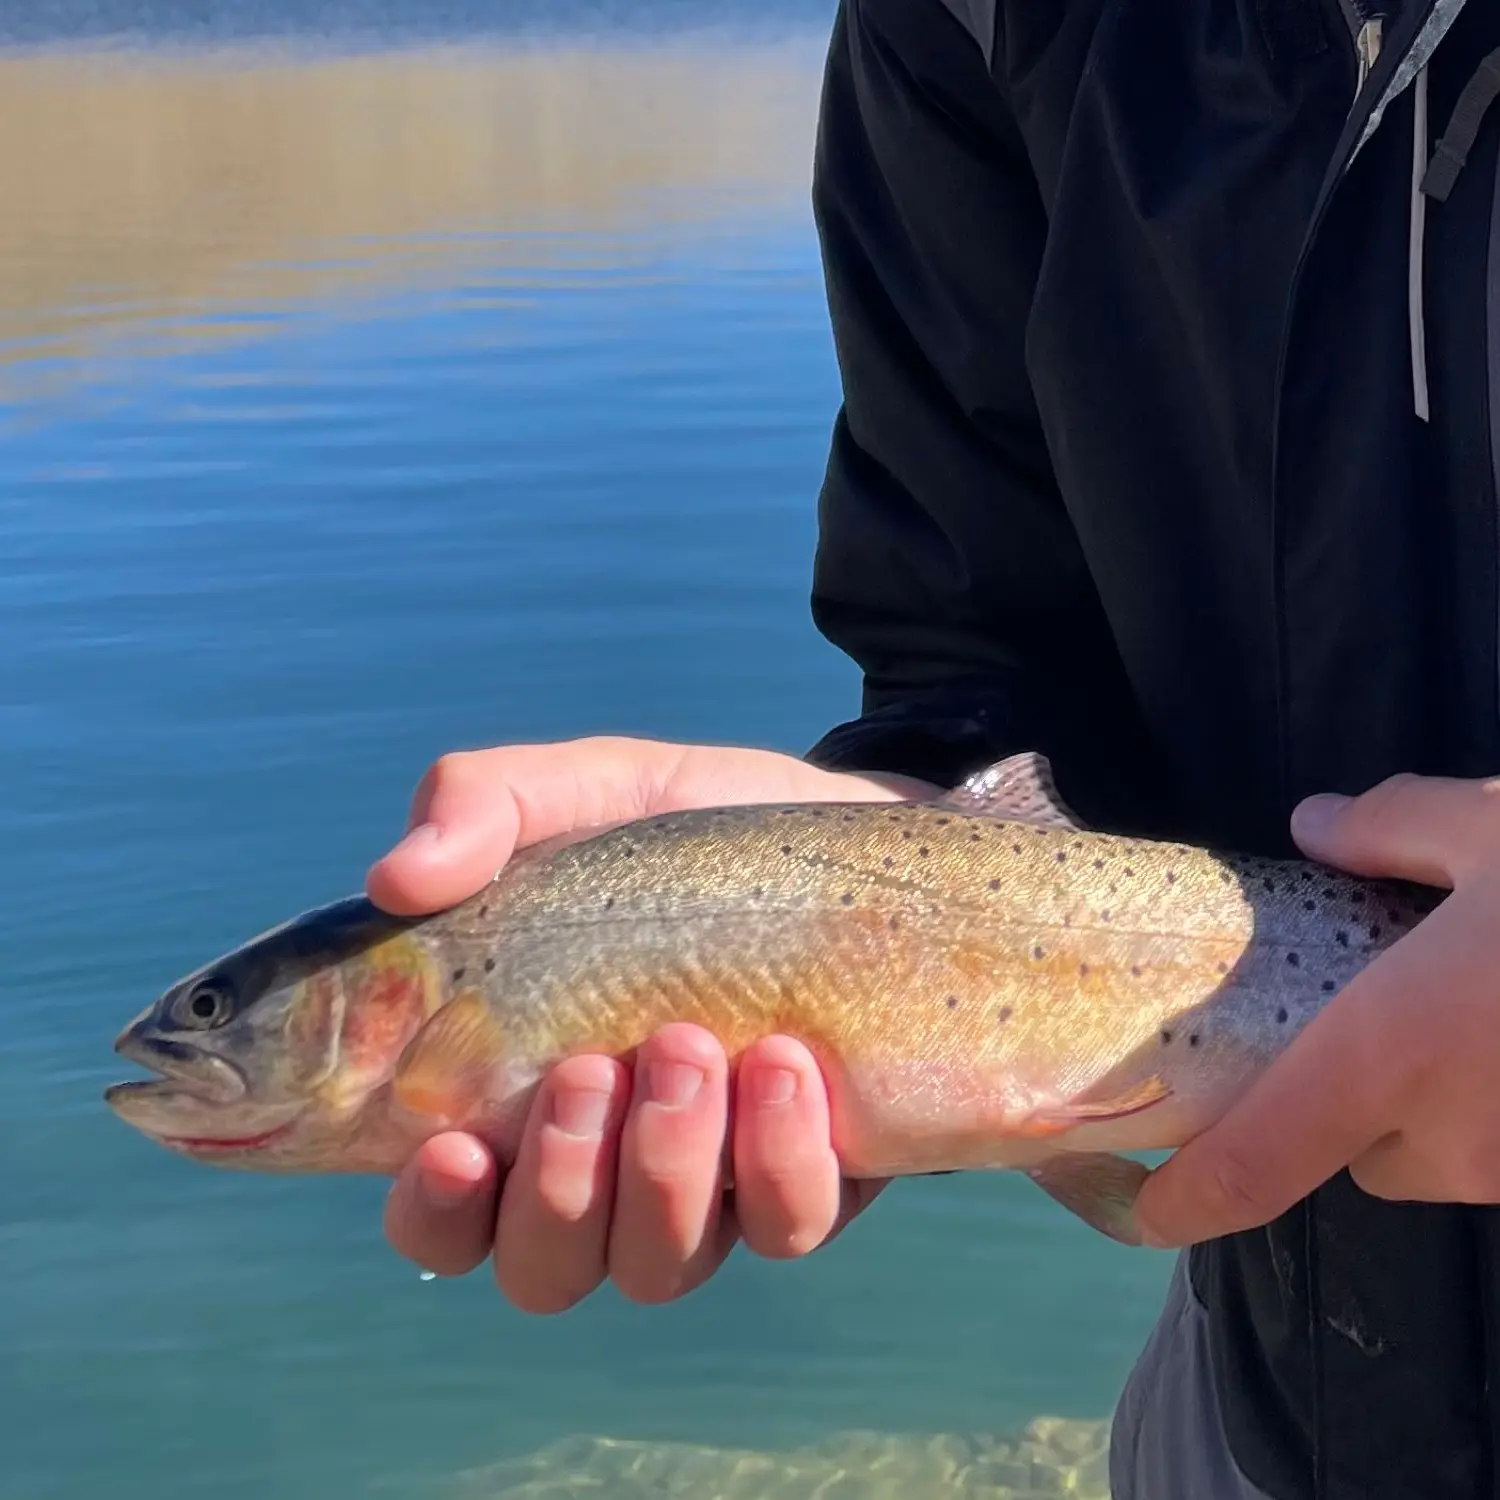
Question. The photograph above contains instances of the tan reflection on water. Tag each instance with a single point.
(137, 186)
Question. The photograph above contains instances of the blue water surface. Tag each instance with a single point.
(261, 560)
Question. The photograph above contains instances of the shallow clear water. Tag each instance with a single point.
(357, 403)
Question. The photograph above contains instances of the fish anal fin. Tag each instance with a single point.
(1018, 789)
(1058, 1119)
(1098, 1186)
(444, 1072)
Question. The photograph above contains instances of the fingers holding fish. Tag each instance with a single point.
(1395, 1079)
(1433, 829)
(787, 1180)
(440, 1212)
(473, 809)
(552, 1234)
(671, 1230)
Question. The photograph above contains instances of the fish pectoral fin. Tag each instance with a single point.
(1019, 789)
(1058, 1119)
(445, 1069)
(1098, 1186)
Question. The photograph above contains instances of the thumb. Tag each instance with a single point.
(1428, 829)
(473, 809)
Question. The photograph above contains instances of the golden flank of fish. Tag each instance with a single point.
(984, 982)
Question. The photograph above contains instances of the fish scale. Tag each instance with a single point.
(984, 983)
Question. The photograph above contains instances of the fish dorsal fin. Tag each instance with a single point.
(1019, 789)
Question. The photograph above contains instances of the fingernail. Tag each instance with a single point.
(580, 1112)
(773, 1085)
(1313, 816)
(1149, 1238)
(673, 1084)
(423, 836)
(445, 1193)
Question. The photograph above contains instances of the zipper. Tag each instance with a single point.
(1376, 80)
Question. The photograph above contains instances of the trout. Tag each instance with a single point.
(986, 984)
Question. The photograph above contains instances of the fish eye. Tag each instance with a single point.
(206, 1005)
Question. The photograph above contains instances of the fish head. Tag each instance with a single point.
(267, 1058)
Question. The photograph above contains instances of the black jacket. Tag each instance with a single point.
(1130, 468)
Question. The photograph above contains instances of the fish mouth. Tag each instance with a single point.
(189, 1083)
(182, 1071)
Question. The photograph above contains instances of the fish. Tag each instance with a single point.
(985, 982)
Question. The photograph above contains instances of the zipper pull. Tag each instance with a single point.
(1367, 47)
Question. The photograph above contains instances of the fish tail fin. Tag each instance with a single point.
(1098, 1186)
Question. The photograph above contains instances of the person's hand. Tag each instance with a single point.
(619, 1174)
(1396, 1080)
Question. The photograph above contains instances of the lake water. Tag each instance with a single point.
(413, 381)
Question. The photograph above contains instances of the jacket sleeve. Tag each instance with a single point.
(947, 567)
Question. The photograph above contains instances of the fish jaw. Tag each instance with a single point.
(198, 1104)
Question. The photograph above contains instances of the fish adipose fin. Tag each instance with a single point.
(445, 1069)
(1019, 789)
(1098, 1186)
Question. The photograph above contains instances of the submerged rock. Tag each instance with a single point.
(1053, 1457)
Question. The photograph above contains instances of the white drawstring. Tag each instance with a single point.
(1417, 255)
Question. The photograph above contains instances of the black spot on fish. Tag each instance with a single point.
(906, 833)
(1135, 971)
(924, 851)
(1015, 848)
(629, 851)
(1129, 873)
(1223, 968)
(1062, 856)
(1281, 1016)
(952, 1002)
(975, 838)
(1294, 959)
(1342, 939)
(1328, 893)
(893, 923)
(489, 966)
(848, 817)
(1171, 877)
(1305, 875)
(1329, 986)
(459, 973)
(1038, 952)
(609, 902)
(1098, 864)
(994, 885)
(817, 812)
(1309, 906)
(942, 822)
(1193, 1039)
(847, 899)
(484, 910)
(1083, 971)
(1270, 886)
(1166, 1038)
(786, 848)
(1374, 931)
(1223, 877)
(1104, 915)
(758, 892)
(1004, 1014)
(887, 862)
